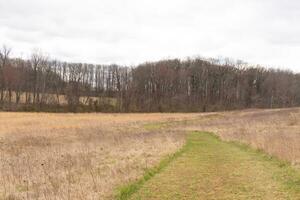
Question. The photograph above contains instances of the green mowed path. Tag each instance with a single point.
(208, 168)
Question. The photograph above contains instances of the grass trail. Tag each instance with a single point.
(208, 168)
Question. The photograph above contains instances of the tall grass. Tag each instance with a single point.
(78, 156)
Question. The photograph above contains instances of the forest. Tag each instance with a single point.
(170, 85)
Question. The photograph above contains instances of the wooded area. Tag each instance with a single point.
(191, 85)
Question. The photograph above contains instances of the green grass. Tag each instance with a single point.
(207, 168)
(156, 126)
(161, 125)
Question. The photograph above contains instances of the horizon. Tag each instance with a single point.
(208, 59)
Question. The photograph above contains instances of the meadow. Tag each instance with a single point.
(78, 156)
(91, 156)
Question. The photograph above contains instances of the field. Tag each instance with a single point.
(78, 156)
(91, 156)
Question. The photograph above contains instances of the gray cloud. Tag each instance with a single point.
(133, 31)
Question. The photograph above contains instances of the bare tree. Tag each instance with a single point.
(4, 60)
(165, 86)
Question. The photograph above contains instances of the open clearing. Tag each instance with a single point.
(208, 168)
(89, 156)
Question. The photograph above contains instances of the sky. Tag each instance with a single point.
(129, 32)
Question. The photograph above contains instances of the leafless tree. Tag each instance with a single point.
(192, 85)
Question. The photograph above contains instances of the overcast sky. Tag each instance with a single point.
(133, 31)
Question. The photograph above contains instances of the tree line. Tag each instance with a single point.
(191, 85)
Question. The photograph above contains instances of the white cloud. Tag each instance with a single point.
(133, 31)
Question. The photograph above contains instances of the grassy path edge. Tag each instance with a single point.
(125, 192)
(292, 183)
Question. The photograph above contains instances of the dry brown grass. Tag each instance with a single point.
(78, 156)
(86, 156)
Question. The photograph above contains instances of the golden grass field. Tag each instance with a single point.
(87, 156)
(78, 156)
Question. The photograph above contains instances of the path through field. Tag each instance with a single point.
(208, 168)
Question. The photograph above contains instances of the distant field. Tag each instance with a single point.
(89, 156)
(53, 98)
